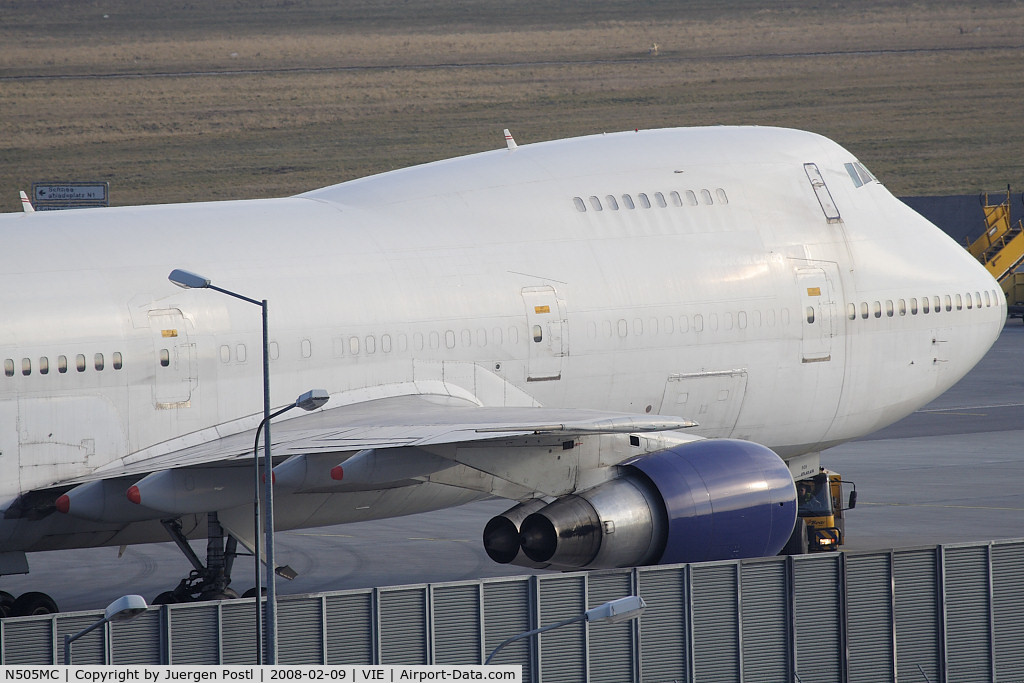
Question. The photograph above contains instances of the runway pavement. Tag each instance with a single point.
(949, 473)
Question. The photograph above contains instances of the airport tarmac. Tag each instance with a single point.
(949, 473)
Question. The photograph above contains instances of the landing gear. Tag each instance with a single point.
(205, 582)
(6, 602)
(33, 603)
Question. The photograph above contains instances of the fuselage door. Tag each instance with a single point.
(174, 371)
(546, 331)
(817, 315)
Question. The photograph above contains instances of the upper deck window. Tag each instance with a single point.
(859, 174)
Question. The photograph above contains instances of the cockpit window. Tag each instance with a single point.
(859, 174)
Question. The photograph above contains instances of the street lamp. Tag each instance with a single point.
(612, 612)
(125, 608)
(189, 280)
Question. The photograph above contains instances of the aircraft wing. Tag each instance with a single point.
(393, 422)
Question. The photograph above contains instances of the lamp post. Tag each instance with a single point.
(125, 608)
(189, 280)
(612, 612)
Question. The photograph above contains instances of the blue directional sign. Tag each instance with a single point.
(70, 195)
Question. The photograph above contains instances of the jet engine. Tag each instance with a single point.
(705, 500)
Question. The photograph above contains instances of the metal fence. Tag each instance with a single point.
(946, 613)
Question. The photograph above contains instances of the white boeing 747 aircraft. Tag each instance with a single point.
(639, 339)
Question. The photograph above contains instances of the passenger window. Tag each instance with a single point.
(435, 340)
(9, 367)
(810, 314)
(623, 328)
(638, 326)
(691, 198)
(26, 366)
(706, 196)
(851, 311)
(644, 201)
(306, 348)
(449, 339)
(627, 201)
(239, 354)
(988, 300)
(44, 365)
(580, 206)
(118, 362)
(903, 306)
(741, 320)
(353, 345)
(970, 301)
(936, 304)
(924, 304)
(698, 323)
(888, 308)
(80, 361)
(385, 343)
(467, 338)
(62, 364)
(225, 354)
(595, 204)
(275, 351)
(949, 303)
(722, 197)
(877, 309)
(913, 306)
(97, 361)
(371, 344)
(612, 204)
(538, 334)
(864, 310)
(660, 198)
(676, 199)
(959, 303)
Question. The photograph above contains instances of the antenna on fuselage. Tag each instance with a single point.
(509, 141)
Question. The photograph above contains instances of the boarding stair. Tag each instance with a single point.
(1001, 250)
(1001, 247)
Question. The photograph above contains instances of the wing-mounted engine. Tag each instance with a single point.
(706, 500)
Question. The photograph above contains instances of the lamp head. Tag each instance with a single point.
(619, 610)
(313, 399)
(125, 608)
(188, 280)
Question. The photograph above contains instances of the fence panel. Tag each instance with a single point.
(350, 628)
(664, 648)
(563, 651)
(457, 624)
(508, 612)
(716, 622)
(869, 618)
(764, 610)
(818, 608)
(611, 646)
(968, 642)
(1008, 610)
(194, 633)
(403, 625)
(918, 615)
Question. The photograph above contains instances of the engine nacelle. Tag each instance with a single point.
(706, 500)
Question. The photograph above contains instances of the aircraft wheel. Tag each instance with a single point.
(33, 603)
(165, 598)
(226, 594)
(251, 593)
(6, 602)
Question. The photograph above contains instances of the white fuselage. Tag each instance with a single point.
(756, 311)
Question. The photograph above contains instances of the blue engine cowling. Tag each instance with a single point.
(705, 500)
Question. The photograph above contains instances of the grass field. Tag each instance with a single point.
(179, 101)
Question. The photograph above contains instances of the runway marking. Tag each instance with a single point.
(450, 540)
(954, 507)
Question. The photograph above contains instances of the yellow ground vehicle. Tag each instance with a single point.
(820, 526)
